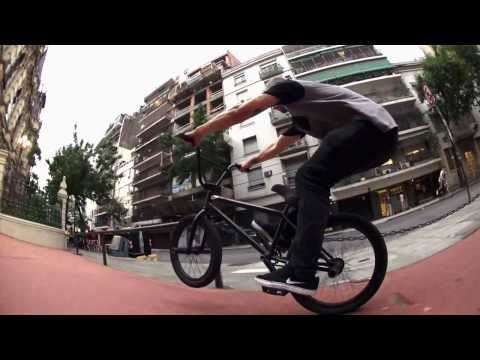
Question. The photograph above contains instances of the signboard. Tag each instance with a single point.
(429, 97)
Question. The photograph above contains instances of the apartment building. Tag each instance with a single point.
(21, 101)
(406, 180)
(169, 110)
(122, 132)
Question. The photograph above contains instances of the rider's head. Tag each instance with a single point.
(279, 107)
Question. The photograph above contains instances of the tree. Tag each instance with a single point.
(115, 210)
(89, 173)
(213, 147)
(453, 75)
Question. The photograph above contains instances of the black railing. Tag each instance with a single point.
(20, 200)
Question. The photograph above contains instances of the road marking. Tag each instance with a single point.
(250, 271)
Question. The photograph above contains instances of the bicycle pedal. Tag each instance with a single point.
(276, 292)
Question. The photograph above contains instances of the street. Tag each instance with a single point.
(241, 264)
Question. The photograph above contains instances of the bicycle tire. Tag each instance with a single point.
(212, 243)
(381, 262)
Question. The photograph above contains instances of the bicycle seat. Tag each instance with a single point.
(287, 193)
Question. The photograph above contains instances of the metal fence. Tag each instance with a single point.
(19, 199)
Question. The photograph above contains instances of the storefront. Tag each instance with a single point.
(392, 200)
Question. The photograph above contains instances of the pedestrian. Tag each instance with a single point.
(442, 183)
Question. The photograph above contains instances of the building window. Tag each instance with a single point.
(250, 145)
(255, 179)
(242, 96)
(239, 79)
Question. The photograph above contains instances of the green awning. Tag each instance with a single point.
(348, 70)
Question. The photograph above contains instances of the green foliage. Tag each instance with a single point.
(453, 74)
(115, 210)
(89, 172)
(213, 147)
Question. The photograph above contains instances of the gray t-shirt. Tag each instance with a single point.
(318, 108)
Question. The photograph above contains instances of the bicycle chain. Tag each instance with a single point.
(410, 228)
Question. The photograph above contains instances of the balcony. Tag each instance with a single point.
(278, 118)
(181, 128)
(296, 146)
(271, 70)
(346, 70)
(198, 80)
(331, 57)
(152, 175)
(180, 112)
(152, 193)
(217, 109)
(99, 211)
(215, 95)
(292, 51)
(102, 221)
(161, 158)
(154, 113)
(155, 127)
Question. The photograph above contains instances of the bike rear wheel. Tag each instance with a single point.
(361, 268)
(201, 266)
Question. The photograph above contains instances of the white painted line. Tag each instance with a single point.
(250, 271)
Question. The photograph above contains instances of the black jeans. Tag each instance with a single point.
(354, 148)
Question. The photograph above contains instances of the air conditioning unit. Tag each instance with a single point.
(387, 171)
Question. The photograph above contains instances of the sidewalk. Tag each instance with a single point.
(40, 280)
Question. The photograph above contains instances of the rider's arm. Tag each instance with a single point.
(234, 116)
(271, 151)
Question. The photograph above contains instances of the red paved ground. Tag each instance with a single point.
(39, 280)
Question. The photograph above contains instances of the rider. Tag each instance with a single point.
(356, 134)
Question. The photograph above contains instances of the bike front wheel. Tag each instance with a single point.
(201, 265)
(360, 257)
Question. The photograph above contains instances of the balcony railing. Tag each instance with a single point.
(102, 221)
(278, 118)
(216, 94)
(296, 50)
(388, 97)
(99, 211)
(296, 146)
(180, 129)
(271, 70)
(217, 109)
(162, 159)
(199, 79)
(164, 121)
(151, 193)
(154, 113)
(181, 112)
(336, 56)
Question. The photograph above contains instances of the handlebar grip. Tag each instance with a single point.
(186, 138)
(238, 166)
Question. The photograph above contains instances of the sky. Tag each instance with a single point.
(91, 85)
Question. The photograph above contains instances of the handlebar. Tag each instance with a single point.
(201, 177)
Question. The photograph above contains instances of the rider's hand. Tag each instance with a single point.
(195, 137)
(248, 164)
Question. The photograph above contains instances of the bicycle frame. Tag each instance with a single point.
(267, 252)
